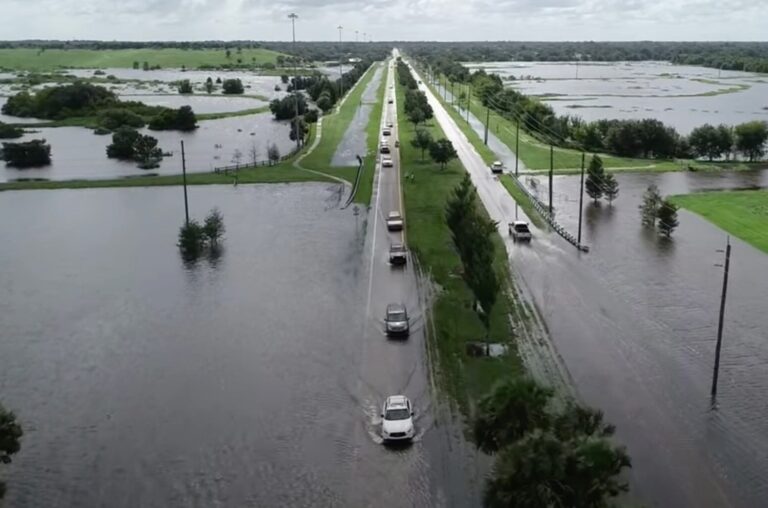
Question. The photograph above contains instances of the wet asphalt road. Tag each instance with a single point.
(624, 359)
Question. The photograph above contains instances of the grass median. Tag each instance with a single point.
(744, 214)
(455, 323)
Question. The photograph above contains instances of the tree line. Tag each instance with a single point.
(646, 138)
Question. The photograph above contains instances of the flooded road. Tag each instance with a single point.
(636, 320)
(635, 323)
(251, 379)
(354, 141)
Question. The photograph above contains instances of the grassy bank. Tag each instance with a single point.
(335, 125)
(31, 59)
(455, 323)
(283, 172)
(522, 199)
(743, 214)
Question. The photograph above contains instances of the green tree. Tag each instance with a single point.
(650, 206)
(145, 65)
(135, 64)
(422, 140)
(10, 439)
(185, 87)
(284, 79)
(273, 153)
(442, 152)
(146, 152)
(311, 116)
(213, 227)
(595, 178)
(209, 85)
(191, 239)
(114, 118)
(416, 115)
(232, 86)
(9, 131)
(513, 408)
(751, 138)
(27, 154)
(299, 129)
(710, 141)
(122, 146)
(325, 102)
(667, 215)
(610, 187)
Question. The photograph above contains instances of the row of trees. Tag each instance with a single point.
(9, 131)
(547, 454)
(10, 439)
(84, 99)
(26, 154)
(647, 138)
(472, 234)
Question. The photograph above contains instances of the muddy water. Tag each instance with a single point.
(79, 153)
(242, 380)
(635, 320)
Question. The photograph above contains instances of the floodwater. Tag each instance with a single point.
(355, 138)
(77, 152)
(635, 90)
(247, 379)
(635, 320)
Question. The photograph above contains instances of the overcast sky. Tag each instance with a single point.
(386, 19)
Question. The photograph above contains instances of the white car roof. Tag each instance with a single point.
(519, 223)
(396, 401)
(497, 163)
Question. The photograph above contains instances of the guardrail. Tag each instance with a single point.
(544, 212)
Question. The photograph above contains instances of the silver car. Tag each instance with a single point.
(398, 254)
(396, 320)
(394, 221)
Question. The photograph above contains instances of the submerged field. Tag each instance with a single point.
(743, 214)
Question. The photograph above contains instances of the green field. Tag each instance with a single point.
(743, 214)
(455, 323)
(335, 126)
(31, 60)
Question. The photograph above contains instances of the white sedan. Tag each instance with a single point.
(386, 162)
(395, 221)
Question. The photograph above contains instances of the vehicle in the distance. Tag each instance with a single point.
(386, 132)
(390, 124)
(394, 221)
(386, 161)
(384, 147)
(390, 100)
(398, 254)
(396, 320)
(519, 230)
(497, 167)
(397, 419)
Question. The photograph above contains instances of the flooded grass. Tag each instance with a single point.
(523, 200)
(743, 214)
(455, 323)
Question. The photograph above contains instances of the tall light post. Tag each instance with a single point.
(341, 73)
(356, 32)
(293, 18)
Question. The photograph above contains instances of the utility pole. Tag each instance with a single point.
(719, 345)
(341, 73)
(355, 35)
(517, 145)
(184, 178)
(453, 97)
(469, 101)
(581, 196)
(487, 120)
(293, 17)
(551, 170)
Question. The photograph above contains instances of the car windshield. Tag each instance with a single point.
(397, 315)
(522, 228)
(397, 414)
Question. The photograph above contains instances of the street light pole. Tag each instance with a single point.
(356, 35)
(581, 196)
(341, 73)
(293, 17)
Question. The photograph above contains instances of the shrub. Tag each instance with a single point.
(27, 154)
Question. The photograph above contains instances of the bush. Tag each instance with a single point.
(77, 99)
(285, 108)
(9, 131)
(182, 119)
(185, 87)
(122, 144)
(120, 117)
(28, 154)
(233, 86)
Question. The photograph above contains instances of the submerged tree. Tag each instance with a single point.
(213, 227)
(667, 215)
(595, 178)
(610, 187)
(185, 87)
(195, 238)
(650, 205)
(10, 439)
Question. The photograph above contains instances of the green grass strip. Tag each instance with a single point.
(743, 214)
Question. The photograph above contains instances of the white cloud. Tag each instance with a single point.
(386, 19)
